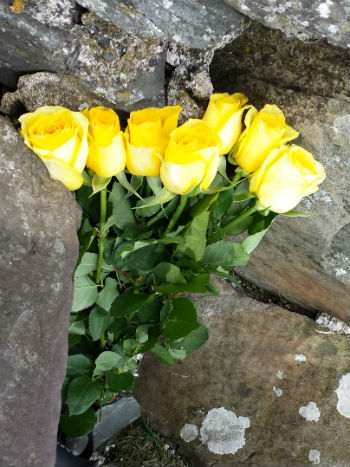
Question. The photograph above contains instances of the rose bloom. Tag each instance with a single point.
(266, 130)
(147, 136)
(224, 116)
(59, 137)
(107, 152)
(191, 157)
(286, 176)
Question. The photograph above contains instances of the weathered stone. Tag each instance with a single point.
(288, 63)
(306, 261)
(39, 250)
(55, 13)
(267, 389)
(43, 88)
(128, 73)
(197, 24)
(306, 18)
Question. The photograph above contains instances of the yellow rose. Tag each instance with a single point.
(287, 175)
(224, 116)
(107, 153)
(59, 137)
(266, 130)
(148, 134)
(191, 157)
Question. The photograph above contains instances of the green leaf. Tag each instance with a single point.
(203, 204)
(99, 320)
(163, 355)
(225, 253)
(261, 222)
(240, 227)
(87, 264)
(142, 334)
(128, 302)
(106, 361)
(78, 365)
(85, 293)
(179, 354)
(77, 328)
(99, 183)
(295, 213)
(193, 340)
(78, 425)
(163, 197)
(149, 312)
(195, 237)
(118, 382)
(143, 260)
(252, 241)
(82, 393)
(87, 181)
(168, 272)
(121, 207)
(182, 319)
(155, 184)
(197, 285)
(108, 294)
(225, 200)
(128, 186)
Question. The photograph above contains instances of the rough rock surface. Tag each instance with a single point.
(197, 24)
(267, 389)
(39, 251)
(304, 18)
(304, 260)
(123, 69)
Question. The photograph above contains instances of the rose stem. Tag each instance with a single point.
(101, 242)
(177, 214)
(239, 218)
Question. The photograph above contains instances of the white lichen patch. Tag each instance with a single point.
(334, 325)
(189, 432)
(343, 393)
(314, 456)
(223, 432)
(280, 374)
(277, 391)
(310, 412)
(300, 357)
(324, 10)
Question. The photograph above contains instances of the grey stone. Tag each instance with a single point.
(288, 63)
(304, 260)
(54, 13)
(39, 250)
(115, 417)
(304, 18)
(129, 80)
(265, 390)
(197, 24)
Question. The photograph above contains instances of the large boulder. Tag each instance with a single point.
(305, 260)
(304, 18)
(125, 70)
(197, 24)
(39, 250)
(268, 389)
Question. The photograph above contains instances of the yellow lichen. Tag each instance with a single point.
(17, 6)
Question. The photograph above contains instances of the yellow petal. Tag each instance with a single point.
(70, 177)
(143, 160)
(107, 161)
(210, 172)
(80, 157)
(179, 178)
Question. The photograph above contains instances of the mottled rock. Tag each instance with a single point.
(197, 24)
(55, 13)
(288, 63)
(304, 260)
(304, 18)
(39, 250)
(43, 88)
(244, 399)
(128, 73)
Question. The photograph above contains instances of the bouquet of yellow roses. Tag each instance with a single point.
(168, 197)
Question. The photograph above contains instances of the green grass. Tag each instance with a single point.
(138, 445)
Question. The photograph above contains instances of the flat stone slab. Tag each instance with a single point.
(268, 389)
(39, 249)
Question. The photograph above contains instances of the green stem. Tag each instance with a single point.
(239, 218)
(101, 242)
(177, 214)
